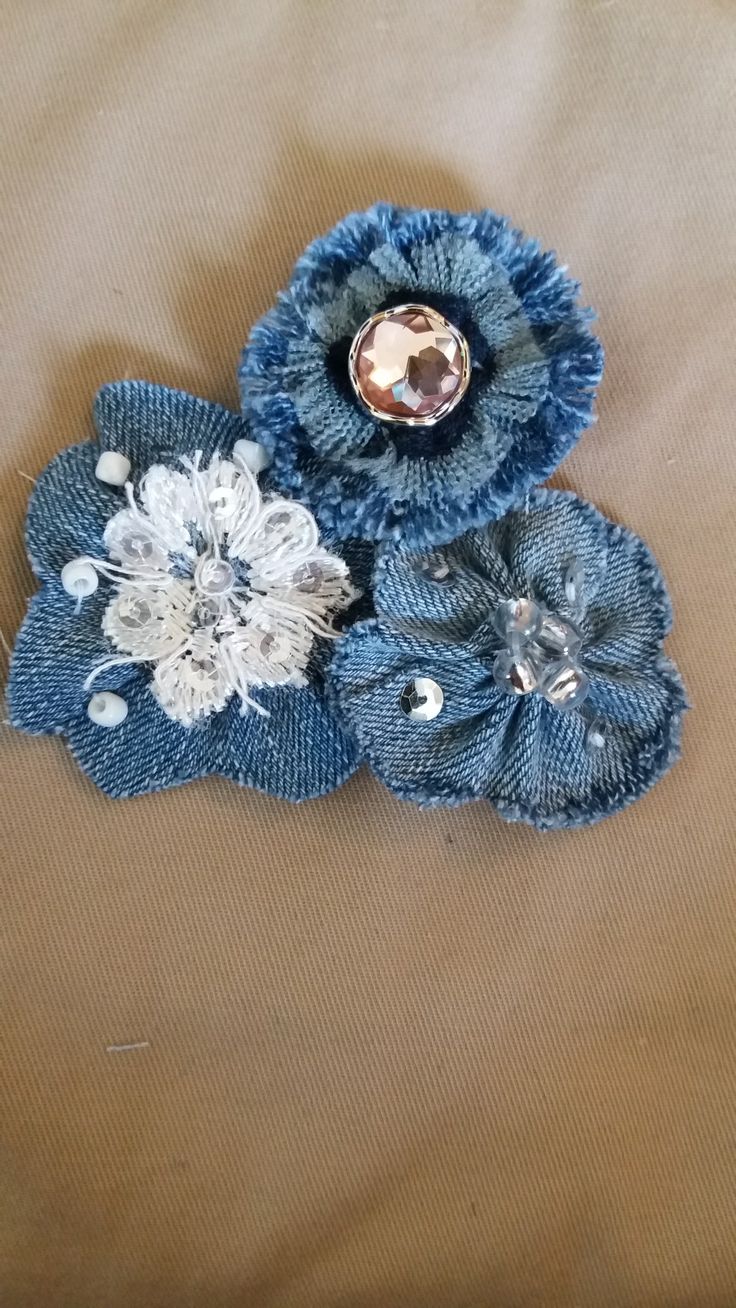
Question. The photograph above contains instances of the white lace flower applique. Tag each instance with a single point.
(218, 588)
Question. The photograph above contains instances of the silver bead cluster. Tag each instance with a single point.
(540, 654)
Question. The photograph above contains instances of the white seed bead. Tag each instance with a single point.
(106, 709)
(79, 578)
(254, 456)
(113, 468)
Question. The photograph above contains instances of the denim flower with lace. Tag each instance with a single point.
(177, 628)
(522, 663)
(533, 368)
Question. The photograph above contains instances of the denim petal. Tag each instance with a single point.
(147, 752)
(523, 553)
(636, 697)
(445, 594)
(550, 779)
(155, 424)
(631, 613)
(444, 761)
(298, 751)
(68, 510)
(55, 650)
(539, 541)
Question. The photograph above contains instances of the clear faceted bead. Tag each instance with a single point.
(517, 621)
(206, 611)
(556, 637)
(409, 364)
(564, 684)
(514, 673)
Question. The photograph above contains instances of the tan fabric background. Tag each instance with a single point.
(394, 1058)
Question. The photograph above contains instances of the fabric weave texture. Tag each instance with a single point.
(535, 368)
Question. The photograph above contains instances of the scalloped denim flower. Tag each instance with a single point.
(532, 760)
(535, 366)
(293, 748)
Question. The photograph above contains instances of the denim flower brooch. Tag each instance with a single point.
(359, 568)
(522, 664)
(175, 631)
(474, 364)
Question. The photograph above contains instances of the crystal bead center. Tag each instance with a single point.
(410, 365)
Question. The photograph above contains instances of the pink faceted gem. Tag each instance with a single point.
(409, 365)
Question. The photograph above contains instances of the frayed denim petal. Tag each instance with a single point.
(551, 780)
(536, 367)
(631, 612)
(148, 751)
(533, 761)
(155, 424)
(539, 540)
(635, 697)
(301, 752)
(68, 510)
(297, 752)
(70, 507)
(55, 650)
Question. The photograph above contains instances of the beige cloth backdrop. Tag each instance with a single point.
(392, 1058)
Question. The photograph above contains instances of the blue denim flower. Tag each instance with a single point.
(535, 369)
(436, 619)
(295, 750)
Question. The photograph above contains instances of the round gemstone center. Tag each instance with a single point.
(410, 365)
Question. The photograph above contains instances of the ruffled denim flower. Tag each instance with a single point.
(206, 601)
(535, 366)
(437, 632)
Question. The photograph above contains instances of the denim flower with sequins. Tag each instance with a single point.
(178, 628)
(521, 664)
(533, 368)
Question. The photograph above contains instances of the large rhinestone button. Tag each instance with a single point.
(410, 365)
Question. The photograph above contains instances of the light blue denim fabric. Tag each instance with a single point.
(524, 755)
(535, 369)
(297, 752)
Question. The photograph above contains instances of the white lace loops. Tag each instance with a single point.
(219, 589)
